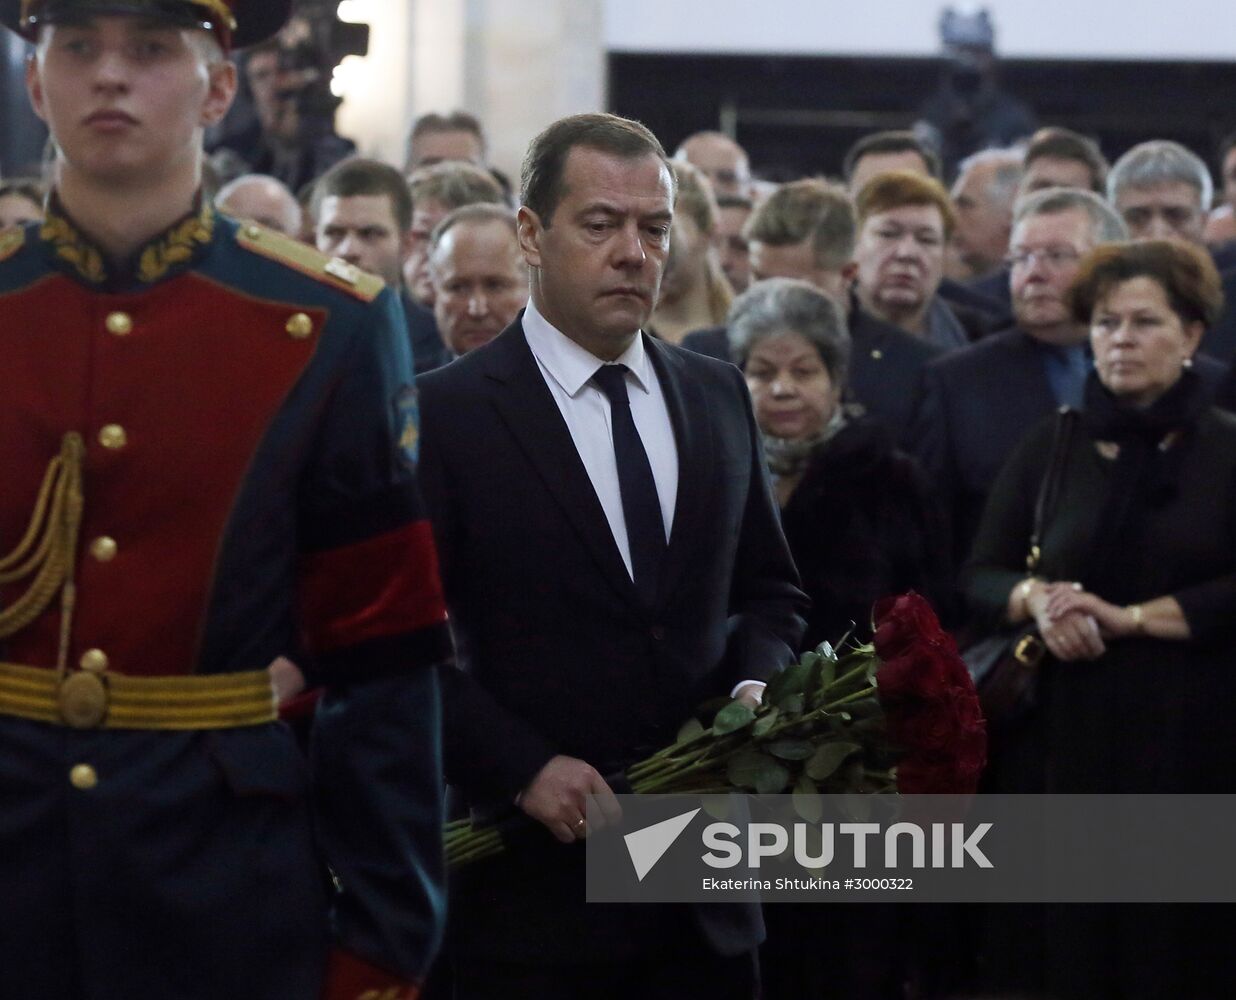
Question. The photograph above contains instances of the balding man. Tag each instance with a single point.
(721, 159)
(261, 199)
(983, 197)
(479, 276)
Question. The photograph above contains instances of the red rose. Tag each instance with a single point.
(902, 623)
(931, 727)
(920, 672)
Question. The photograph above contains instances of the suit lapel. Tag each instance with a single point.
(693, 435)
(526, 406)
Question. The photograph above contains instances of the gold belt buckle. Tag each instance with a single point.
(82, 698)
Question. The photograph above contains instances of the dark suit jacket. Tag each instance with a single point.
(558, 656)
(1220, 340)
(886, 364)
(989, 295)
(428, 351)
(975, 405)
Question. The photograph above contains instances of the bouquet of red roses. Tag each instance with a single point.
(899, 714)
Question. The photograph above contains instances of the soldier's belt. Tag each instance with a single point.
(101, 700)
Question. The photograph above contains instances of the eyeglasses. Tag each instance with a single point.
(1053, 258)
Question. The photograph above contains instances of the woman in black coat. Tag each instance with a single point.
(857, 513)
(1135, 599)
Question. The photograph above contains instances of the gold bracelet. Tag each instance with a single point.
(1139, 618)
(1023, 592)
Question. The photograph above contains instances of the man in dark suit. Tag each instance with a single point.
(806, 229)
(977, 403)
(612, 557)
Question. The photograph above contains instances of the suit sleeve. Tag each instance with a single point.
(373, 619)
(767, 604)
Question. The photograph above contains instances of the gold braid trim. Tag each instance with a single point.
(71, 246)
(177, 245)
(50, 543)
(198, 701)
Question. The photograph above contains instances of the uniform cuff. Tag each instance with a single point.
(351, 978)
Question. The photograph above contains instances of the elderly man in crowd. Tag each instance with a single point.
(479, 276)
(904, 223)
(362, 213)
(978, 402)
(881, 152)
(1163, 191)
(720, 159)
(437, 191)
(261, 199)
(983, 196)
(806, 230)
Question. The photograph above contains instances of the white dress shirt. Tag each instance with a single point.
(568, 369)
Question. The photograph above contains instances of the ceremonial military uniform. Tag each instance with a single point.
(208, 462)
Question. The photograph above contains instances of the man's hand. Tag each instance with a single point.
(286, 680)
(556, 797)
(750, 694)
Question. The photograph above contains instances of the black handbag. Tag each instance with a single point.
(1005, 666)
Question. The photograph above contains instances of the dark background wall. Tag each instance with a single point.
(797, 115)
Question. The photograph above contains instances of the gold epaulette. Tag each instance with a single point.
(11, 240)
(305, 259)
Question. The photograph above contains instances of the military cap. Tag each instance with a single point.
(236, 23)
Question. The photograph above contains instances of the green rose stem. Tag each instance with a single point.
(698, 764)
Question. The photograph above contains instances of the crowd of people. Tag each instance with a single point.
(913, 356)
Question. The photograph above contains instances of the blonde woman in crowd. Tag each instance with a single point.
(694, 292)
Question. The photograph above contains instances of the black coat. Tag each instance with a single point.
(558, 654)
(862, 525)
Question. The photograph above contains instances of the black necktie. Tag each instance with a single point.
(640, 505)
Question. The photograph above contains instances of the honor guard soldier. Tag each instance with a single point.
(208, 439)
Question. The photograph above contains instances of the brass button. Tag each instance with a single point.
(299, 326)
(113, 436)
(83, 777)
(119, 324)
(104, 549)
(253, 232)
(877, 354)
(94, 660)
(82, 700)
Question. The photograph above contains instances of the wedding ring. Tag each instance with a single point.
(580, 823)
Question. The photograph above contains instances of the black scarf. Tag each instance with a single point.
(1144, 476)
